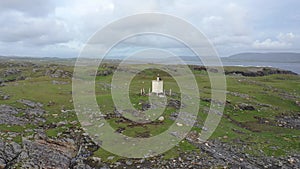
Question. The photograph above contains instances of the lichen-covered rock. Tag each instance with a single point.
(34, 111)
(47, 154)
(174, 103)
(11, 71)
(8, 152)
(58, 73)
(30, 103)
(8, 116)
(244, 106)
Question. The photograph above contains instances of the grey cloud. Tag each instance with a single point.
(30, 7)
(232, 27)
(37, 31)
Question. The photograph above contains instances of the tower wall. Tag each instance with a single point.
(157, 86)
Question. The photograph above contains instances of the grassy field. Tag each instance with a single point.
(271, 96)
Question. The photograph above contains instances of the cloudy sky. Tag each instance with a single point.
(60, 28)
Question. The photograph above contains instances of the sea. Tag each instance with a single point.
(294, 67)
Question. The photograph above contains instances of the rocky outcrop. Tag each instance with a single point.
(4, 96)
(245, 106)
(259, 72)
(8, 116)
(12, 116)
(46, 154)
(233, 156)
(8, 153)
(146, 106)
(198, 68)
(30, 103)
(11, 71)
(244, 71)
(104, 72)
(289, 121)
(58, 73)
(174, 103)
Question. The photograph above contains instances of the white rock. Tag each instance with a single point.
(110, 157)
(161, 118)
(86, 124)
(96, 160)
(179, 124)
(291, 160)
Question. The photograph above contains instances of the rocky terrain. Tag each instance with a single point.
(39, 129)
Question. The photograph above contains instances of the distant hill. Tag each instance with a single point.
(282, 57)
(265, 57)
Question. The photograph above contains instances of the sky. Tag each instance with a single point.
(61, 28)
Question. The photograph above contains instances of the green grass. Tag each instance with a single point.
(52, 133)
(105, 155)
